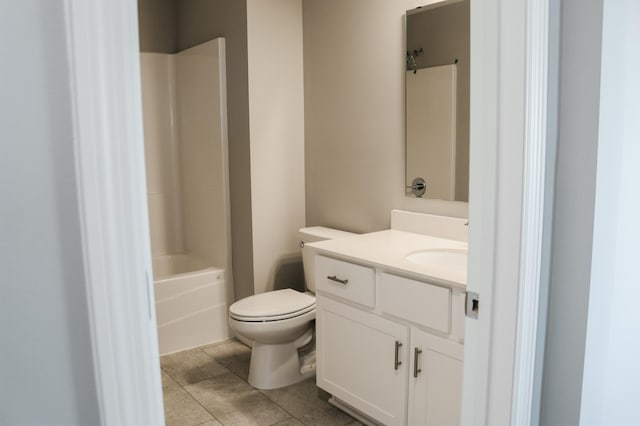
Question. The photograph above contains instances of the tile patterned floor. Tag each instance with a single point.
(207, 386)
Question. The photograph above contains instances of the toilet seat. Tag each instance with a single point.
(272, 306)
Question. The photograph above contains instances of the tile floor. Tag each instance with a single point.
(208, 386)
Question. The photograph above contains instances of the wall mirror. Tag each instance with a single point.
(437, 101)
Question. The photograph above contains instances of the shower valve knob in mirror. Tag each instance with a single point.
(418, 187)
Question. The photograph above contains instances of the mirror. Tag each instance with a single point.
(437, 101)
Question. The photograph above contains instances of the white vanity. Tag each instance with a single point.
(390, 320)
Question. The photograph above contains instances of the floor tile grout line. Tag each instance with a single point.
(284, 409)
(266, 395)
(172, 379)
(286, 420)
(229, 371)
(199, 403)
(259, 390)
(208, 354)
(293, 415)
(194, 398)
(204, 408)
(262, 393)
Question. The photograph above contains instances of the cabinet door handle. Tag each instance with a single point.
(338, 280)
(416, 354)
(397, 361)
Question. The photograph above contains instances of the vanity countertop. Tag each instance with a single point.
(389, 250)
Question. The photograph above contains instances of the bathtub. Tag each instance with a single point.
(191, 303)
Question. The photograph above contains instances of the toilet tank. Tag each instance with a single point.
(309, 235)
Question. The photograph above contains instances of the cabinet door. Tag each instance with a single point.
(435, 394)
(356, 353)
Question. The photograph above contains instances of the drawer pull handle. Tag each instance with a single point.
(416, 370)
(338, 280)
(397, 361)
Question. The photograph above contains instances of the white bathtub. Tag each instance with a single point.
(191, 303)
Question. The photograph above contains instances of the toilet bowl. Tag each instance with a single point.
(279, 323)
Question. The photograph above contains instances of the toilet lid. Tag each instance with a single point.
(277, 303)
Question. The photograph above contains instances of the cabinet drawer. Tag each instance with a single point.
(416, 301)
(346, 280)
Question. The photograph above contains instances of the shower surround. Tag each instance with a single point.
(185, 127)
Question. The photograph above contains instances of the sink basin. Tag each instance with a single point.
(443, 258)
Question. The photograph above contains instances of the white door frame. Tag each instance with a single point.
(507, 207)
(509, 210)
(107, 110)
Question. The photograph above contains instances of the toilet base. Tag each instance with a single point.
(275, 366)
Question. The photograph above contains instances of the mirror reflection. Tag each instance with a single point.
(437, 101)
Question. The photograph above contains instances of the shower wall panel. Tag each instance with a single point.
(161, 153)
(201, 112)
(186, 152)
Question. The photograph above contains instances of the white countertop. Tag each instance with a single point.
(388, 250)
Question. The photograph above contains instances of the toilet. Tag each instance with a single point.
(279, 323)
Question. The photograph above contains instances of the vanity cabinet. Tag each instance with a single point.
(357, 360)
(387, 345)
(435, 383)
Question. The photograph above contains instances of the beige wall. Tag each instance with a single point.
(157, 26)
(353, 69)
(199, 21)
(276, 104)
(264, 78)
(354, 59)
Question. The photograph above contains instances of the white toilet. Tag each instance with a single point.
(279, 322)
